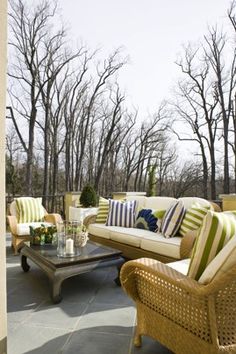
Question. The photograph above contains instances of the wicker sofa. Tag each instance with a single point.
(136, 243)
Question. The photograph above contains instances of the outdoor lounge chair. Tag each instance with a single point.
(21, 231)
(182, 314)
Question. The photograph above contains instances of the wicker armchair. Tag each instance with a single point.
(180, 313)
(17, 238)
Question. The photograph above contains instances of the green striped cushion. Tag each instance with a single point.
(29, 209)
(216, 230)
(103, 209)
(193, 219)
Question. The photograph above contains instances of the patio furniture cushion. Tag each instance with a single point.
(172, 219)
(193, 219)
(146, 220)
(100, 230)
(23, 229)
(215, 232)
(121, 214)
(29, 209)
(224, 261)
(103, 209)
(181, 266)
(159, 202)
(156, 242)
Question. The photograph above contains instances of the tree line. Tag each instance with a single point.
(70, 123)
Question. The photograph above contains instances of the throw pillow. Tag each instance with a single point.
(216, 230)
(29, 209)
(172, 219)
(159, 214)
(121, 214)
(146, 220)
(103, 209)
(223, 262)
(193, 219)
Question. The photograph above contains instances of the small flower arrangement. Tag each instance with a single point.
(43, 234)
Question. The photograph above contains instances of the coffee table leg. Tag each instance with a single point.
(55, 290)
(24, 263)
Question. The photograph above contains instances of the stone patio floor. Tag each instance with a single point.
(94, 317)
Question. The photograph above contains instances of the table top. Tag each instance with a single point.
(91, 252)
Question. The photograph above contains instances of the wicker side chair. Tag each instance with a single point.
(180, 313)
(17, 237)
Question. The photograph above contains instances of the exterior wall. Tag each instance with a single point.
(3, 62)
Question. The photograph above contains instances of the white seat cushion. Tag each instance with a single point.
(180, 266)
(24, 230)
(129, 236)
(100, 230)
(156, 242)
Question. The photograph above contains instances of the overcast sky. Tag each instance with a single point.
(151, 32)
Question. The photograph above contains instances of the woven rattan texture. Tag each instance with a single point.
(185, 316)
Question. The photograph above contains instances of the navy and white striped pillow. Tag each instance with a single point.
(172, 219)
(121, 214)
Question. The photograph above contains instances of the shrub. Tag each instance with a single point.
(88, 197)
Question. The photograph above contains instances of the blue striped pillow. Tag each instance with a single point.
(121, 214)
(172, 219)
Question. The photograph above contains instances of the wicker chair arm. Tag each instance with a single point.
(152, 270)
(12, 221)
(90, 219)
(53, 218)
(187, 244)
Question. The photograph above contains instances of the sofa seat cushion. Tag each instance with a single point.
(100, 230)
(129, 236)
(156, 242)
(23, 229)
(181, 266)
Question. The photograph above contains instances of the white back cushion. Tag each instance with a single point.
(140, 201)
(159, 202)
(189, 201)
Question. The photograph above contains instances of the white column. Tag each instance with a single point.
(3, 63)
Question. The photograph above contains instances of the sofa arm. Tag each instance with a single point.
(90, 219)
(53, 218)
(12, 221)
(187, 244)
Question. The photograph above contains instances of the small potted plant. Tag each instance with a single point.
(88, 197)
(43, 234)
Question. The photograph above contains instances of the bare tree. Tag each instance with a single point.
(196, 105)
(29, 28)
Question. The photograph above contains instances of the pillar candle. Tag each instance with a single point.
(69, 245)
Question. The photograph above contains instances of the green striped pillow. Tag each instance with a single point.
(29, 209)
(193, 219)
(103, 209)
(216, 230)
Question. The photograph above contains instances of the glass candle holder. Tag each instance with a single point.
(67, 236)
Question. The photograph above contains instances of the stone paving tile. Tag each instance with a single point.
(110, 318)
(28, 339)
(101, 342)
(63, 315)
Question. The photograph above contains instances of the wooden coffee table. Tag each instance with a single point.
(92, 256)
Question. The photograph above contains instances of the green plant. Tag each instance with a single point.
(88, 197)
(42, 234)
